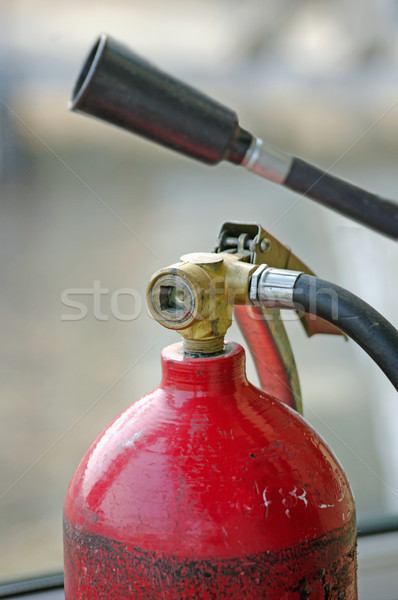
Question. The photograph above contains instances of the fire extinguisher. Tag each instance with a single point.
(208, 487)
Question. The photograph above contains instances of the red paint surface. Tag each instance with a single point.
(209, 488)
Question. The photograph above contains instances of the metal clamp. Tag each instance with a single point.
(267, 161)
(273, 288)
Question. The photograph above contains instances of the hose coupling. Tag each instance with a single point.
(273, 288)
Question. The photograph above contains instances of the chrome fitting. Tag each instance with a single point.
(273, 288)
(267, 161)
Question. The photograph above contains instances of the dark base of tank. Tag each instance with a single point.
(320, 569)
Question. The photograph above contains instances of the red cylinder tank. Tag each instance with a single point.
(208, 488)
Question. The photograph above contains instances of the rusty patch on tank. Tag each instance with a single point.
(319, 569)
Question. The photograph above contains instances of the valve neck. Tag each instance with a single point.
(225, 371)
(203, 348)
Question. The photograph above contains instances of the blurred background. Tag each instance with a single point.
(87, 207)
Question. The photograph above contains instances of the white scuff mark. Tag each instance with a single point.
(295, 494)
(342, 496)
(326, 506)
(247, 508)
(131, 442)
(303, 497)
(266, 503)
(287, 513)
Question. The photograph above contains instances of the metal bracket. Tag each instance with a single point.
(256, 245)
(265, 332)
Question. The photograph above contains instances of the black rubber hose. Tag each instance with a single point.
(349, 200)
(354, 317)
(118, 86)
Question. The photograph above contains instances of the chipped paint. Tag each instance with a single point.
(266, 503)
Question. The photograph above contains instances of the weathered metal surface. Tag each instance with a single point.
(100, 567)
(209, 488)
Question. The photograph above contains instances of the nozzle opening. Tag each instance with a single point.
(90, 66)
(172, 301)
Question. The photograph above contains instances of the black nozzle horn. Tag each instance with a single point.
(122, 88)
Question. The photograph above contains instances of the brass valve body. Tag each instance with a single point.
(196, 297)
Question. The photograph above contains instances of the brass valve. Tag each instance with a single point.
(196, 297)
